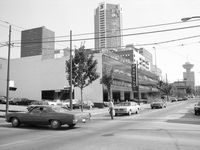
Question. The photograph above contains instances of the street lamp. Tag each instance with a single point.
(188, 18)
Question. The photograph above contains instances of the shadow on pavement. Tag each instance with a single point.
(34, 127)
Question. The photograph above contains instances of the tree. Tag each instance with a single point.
(84, 70)
(164, 88)
(189, 90)
(107, 80)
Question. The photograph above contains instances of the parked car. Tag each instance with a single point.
(2, 100)
(39, 102)
(197, 108)
(55, 116)
(55, 102)
(127, 108)
(173, 99)
(158, 103)
(86, 105)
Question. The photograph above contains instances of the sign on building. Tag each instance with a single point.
(134, 76)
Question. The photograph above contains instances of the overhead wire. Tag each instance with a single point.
(107, 31)
(125, 35)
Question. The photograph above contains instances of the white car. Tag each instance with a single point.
(127, 108)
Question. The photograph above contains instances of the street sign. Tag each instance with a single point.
(134, 76)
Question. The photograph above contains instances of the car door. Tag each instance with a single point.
(34, 116)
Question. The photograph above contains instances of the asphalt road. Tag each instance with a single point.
(172, 128)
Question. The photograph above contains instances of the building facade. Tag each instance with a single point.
(36, 78)
(38, 41)
(107, 21)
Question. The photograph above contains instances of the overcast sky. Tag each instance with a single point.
(61, 16)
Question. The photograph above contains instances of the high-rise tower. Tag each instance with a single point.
(107, 21)
(188, 76)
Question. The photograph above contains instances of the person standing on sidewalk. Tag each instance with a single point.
(111, 109)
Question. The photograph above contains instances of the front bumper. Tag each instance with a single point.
(121, 111)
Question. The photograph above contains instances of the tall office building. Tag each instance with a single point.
(107, 27)
(38, 41)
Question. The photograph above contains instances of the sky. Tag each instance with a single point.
(61, 16)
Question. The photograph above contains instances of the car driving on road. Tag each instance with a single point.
(127, 108)
(54, 116)
(158, 103)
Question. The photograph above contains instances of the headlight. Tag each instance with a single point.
(75, 121)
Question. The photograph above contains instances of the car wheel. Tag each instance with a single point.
(55, 124)
(116, 114)
(137, 112)
(15, 122)
(71, 125)
(129, 113)
(152, 107)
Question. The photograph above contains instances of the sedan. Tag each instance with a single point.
(197, 108)
(127, 108)
(158, 104)
(54, 116)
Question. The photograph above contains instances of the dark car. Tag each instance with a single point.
(173, 99)
(2, 100)
(197, 108)
(54, 116)
(159, 103)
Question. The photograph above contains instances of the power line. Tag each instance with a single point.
(107, 31)
(125, 35)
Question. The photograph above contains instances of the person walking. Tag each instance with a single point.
(111, 109)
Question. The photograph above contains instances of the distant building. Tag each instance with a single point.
(38, 41)
(132, 53)
(188, 76)
(148, 56)
(179, 88)
(107, 21)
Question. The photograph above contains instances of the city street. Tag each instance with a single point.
(175, 128)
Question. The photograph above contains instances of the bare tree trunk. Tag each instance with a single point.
(81, 99)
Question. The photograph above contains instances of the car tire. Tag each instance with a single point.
(55, 124)
(195, 112)
(71, 125)
(15, 122)
(137, 111)
(116, 114)
(152, 107)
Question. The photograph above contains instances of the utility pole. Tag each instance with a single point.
(167, 88)
(71, 107)
(8, 72)
(138, 86)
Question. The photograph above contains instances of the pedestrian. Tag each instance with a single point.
(111, 108)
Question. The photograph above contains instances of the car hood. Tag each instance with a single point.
(121, 107)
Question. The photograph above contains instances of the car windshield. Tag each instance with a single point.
(60, 109)
(157, 101)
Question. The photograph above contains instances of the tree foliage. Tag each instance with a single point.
(84, 69)
(107, 80)
(164, 88)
